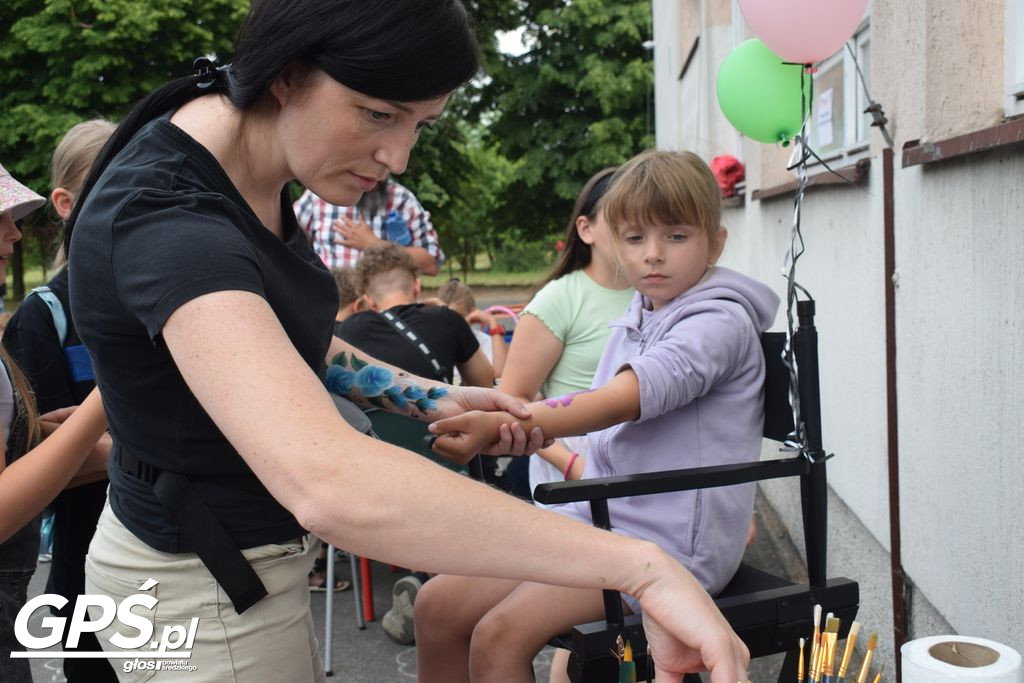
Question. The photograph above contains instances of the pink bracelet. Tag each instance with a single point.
(568, 468)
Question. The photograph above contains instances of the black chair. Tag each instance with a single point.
(769, 613)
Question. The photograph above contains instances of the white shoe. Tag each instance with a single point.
(398, 621)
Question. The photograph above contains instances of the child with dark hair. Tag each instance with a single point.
(563, 330)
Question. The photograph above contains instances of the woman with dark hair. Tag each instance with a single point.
(208, 318)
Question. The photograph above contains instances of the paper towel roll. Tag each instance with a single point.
(959, 658)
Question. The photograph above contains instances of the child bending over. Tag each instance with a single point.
(679, 385)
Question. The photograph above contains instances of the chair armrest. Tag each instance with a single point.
(669, 480)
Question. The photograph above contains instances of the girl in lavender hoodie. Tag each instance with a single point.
(679, 385)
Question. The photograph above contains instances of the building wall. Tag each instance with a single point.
(960, 326)
(937, 69)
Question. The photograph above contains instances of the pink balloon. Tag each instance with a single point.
(804, 31)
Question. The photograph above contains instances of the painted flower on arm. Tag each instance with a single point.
(339, 380)
(414, 392)
(395, 395)
(372, 380)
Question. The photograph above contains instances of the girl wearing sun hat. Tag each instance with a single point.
(17, 198)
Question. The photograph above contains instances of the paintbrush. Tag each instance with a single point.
(814, 644)
(851, 639)
(878, 676)
(627, 667)
(862, 677)
(819, 662)
(800, 664)
(828, 646)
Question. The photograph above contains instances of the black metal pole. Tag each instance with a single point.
(813, 487)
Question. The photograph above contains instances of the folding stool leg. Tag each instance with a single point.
(367, 576)
(357, 589)
(329, 611)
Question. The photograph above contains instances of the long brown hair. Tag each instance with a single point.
(577, 254)
(28, 399)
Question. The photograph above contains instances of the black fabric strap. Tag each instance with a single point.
(407, 333)
(201, 530)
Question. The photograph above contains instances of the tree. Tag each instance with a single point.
(68, 60)
(575, 102)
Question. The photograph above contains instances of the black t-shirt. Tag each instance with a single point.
(60, 376)
(164, 225)
(442, 329)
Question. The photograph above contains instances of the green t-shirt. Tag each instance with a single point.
(577, 310)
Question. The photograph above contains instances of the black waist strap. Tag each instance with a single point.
(201, 529)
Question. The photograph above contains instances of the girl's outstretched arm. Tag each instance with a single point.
(32, 481)
(581, 412)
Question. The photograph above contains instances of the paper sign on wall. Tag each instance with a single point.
(825, 118)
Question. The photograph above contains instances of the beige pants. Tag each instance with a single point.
(271, 641)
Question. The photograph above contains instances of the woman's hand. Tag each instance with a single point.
(686, 631)
(512, 439)
(465, 435)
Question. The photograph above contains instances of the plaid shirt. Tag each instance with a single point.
(316, 218)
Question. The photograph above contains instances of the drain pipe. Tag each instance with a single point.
(899, 603)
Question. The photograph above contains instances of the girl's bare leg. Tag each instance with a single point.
(447, 610)
(559, 666)
(510, 635)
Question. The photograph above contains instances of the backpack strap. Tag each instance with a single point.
(79, 363)
(407, 333)
(60, 319)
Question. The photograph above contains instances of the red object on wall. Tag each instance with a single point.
(727, 171)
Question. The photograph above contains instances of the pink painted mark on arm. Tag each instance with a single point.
(564, 400)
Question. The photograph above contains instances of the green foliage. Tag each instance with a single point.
(507, 160)
(68, 60)
(64, 61)
(515, 253)
(576, 102)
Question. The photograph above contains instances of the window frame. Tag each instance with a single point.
(1013, 58)
(855, 102)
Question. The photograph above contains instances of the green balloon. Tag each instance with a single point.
(759, 94)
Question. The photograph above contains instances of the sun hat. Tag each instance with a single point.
(17, 198)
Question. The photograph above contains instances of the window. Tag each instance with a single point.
(1014, 57)
(838, 125)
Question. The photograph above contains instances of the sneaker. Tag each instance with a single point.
(398, 621)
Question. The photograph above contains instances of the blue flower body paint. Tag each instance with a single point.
(372, 380)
